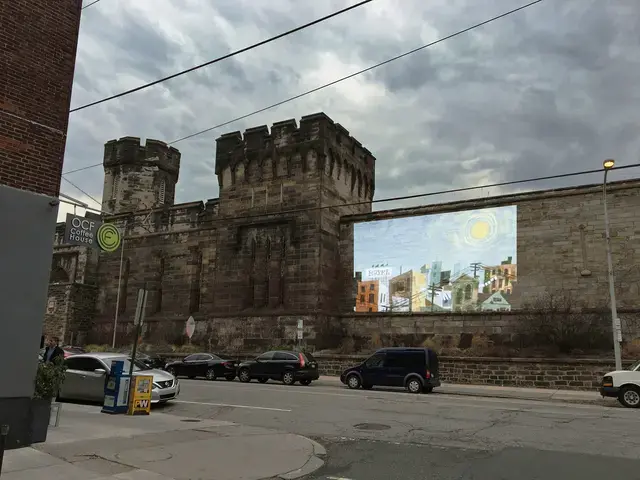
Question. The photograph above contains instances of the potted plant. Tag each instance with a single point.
(49, 378)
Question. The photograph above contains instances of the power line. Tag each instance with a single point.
(224, 57)
(81, 190)
(308, 92)
(395, 199)
(92, 3)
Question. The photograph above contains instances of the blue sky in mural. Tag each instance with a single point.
(487, 235)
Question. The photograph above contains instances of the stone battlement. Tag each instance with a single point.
(130, 151)
(336, 152)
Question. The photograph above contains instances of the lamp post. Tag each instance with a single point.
(615, 322)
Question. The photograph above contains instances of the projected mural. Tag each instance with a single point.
(459, 261)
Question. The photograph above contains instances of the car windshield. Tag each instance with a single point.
(635, 366)
(137, 366)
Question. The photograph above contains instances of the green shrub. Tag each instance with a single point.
(49, 378)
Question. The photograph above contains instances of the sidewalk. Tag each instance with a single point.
(89, 445)
(542, 394)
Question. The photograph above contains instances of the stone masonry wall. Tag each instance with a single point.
(561, 373)
(560, 242)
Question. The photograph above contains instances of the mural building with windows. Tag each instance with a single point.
(292, 236)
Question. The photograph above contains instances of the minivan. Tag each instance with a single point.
(415, 369)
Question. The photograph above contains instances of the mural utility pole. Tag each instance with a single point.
(476, 266)
(434, 288)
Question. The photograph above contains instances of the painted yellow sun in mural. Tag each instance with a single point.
(480, 230)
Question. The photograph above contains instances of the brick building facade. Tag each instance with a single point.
(38, 57)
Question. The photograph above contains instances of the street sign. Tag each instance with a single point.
(618, 329)
(299, 334)
(300, 324)
(190, 327)
(138, 319)
(91, 232)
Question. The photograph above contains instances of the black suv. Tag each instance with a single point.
(287, 366)
(416, 369)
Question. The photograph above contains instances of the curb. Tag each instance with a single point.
(313, 464)
(551, 399)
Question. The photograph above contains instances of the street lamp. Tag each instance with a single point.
(615, 321)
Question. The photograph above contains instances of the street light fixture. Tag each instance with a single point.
(615, 321)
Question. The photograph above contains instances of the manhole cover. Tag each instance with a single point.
(371, 426)
(191, 420)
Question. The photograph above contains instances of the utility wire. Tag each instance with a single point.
(394, 199)
(92, 3)
(290, 99)
(224, 57)
(81, 190)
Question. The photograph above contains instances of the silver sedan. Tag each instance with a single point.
(86, 374)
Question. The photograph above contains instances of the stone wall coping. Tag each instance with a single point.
(500, 200)
(518, 360)
(516, 312)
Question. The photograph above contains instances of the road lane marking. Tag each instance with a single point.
(233, 406)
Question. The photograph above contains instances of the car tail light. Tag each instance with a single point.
(428, 374)
(228, 364)
(302, 362)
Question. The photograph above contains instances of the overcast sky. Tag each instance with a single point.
(548, 90)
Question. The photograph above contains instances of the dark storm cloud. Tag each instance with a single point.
(549, 90)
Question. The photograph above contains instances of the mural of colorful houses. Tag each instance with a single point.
(474, 269)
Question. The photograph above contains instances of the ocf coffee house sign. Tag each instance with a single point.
(90, 232)
(81, 230)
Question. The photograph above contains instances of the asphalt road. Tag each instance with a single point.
(387, 435)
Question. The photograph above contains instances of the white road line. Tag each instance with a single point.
(338, 478)
(234, 406)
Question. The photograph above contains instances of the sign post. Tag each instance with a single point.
(300, 331)
(138, 320)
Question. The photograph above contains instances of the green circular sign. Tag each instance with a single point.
(108, 237)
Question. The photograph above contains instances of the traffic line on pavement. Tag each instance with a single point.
(234, 406)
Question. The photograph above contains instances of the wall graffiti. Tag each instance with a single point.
(459, 261)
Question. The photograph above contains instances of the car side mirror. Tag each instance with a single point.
(100, 371)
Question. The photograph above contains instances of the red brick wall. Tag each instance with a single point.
(38, 41)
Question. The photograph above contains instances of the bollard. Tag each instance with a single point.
(4, 431)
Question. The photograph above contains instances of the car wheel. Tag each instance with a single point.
(414, 385)
(230, 378)
(630, 396)
(288, 378)
(211, 374)
(353, 381)
(244, 375)
(305, 382)
(172, 371)
(263, 380)
(427, 389)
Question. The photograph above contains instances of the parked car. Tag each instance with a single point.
(416, 369)
(287, 366)
(68, 351)
(623, 385)
(86, 374)
(205, 365)
(151, 361)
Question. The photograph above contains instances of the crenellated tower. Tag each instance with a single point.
(286, 189)
(138, 177)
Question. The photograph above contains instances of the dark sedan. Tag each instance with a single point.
(288, 367)
(205, 365)
(150, 360)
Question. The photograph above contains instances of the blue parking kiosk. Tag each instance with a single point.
(116, 389)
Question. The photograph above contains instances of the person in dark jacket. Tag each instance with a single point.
(53, 351)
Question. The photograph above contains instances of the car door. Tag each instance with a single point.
(202, 364)
(95, 374)
(72, 385)
(372, 373)
(263, 365)
(281, 362)
(189, 366)
(394, 369)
